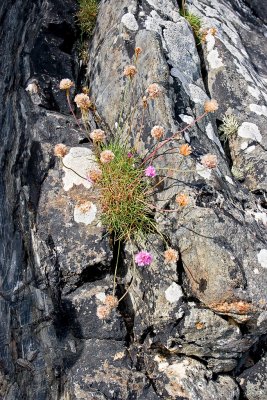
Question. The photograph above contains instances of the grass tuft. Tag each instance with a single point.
(193, 20)
(125, 211)
(87, 15)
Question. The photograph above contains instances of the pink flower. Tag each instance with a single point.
(150, 171)
(130, 155)
(143, 258)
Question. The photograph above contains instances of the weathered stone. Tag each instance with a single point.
(104, 371)
(253, 381)
(56, 258)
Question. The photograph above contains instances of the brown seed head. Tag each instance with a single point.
(60, 150)
(97, 136)
(185, 150)
(137, 51)
(182, 200)
(213, 31)
(170, 256)
(65, 84)
(209, 160)
(83, 101)
(85, 90)
(157, 132)
(111, 301)
(85, 206)
(106, 156)
(95, 175)
(153, 90)
(144, 100)
(103, 311)
(130, 71)
(211, 106)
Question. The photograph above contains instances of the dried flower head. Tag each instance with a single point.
(144, 100)
(171, 256)
(209, 160)
(111, 301)
(213, 31)
(83, 101)
(182, 200)
(137, 51)
(211, 106)
(157, 132)
(85, 90)
(106, 156)
(85, 206)
(65, 84)
(60, 150)
(97, 136)
(185, 150)
(150, 171)
(153, 90)
(94, 175)
(130, 71)
(103, 311)
(143, 258)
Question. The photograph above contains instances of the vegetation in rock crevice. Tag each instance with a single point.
(125, 177)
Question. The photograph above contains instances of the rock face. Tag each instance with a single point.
(192, 330)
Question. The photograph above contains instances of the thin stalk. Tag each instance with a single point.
(124, 294)
(71, 110)
(116, 268)
(173, 136)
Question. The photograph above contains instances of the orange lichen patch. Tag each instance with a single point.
(78, 194)
(199, 325)
(236, 307)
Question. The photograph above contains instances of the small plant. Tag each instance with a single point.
(87, 16)
(124, 190)
(229, 127)
(125, 182)
(193, 19)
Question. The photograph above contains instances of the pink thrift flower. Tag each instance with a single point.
(130, 155)
(150, 171)
(143, 258)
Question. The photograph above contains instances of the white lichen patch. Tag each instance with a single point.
(248, 130)
(262, 258)
(85, 213)
(211, 135)
(261, 217)
(32, 88)
(186, 118)
(101, 296)
(260, 110)
(243, 145)
(80, 160)
(214, 60)
(197, 94)
(173, 293)
(203, 171)
(210, 40)
(129, 21)
(229, 179)
(250, 149)
(254, 92)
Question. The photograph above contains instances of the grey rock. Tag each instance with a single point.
(253, 381)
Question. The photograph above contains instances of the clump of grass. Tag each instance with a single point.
(87, 15)
(229, 127)
(193, 19)
(123, 195)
